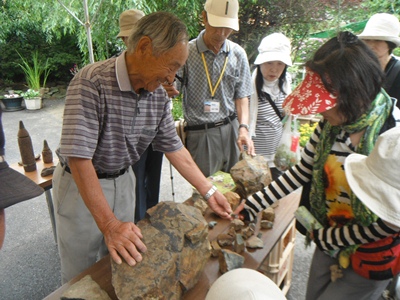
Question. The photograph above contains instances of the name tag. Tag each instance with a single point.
(211, 106)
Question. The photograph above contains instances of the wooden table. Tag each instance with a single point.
(101, 271)
(44, 182)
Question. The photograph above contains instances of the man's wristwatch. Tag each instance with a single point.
(244, 126)
(210, 192)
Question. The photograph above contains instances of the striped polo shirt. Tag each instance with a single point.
(106, 121)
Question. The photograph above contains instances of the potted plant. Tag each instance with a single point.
(32, 99)
(12, 101)
(36, 74)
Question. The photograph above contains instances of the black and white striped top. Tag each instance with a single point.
(106, 121)
(268, 128)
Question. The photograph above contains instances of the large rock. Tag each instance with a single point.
(250, 174)
(176, 236)
(85, 289)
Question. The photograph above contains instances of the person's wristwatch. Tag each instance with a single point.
(244, 126)
(210, 192)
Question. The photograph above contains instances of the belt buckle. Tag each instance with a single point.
(220, 123)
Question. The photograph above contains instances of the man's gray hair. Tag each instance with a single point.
(163, 28)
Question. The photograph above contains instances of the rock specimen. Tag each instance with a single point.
(176, 236)
(268, 214)
(254, 242)
(200, 204)
(47, 154)
(250, 174)
(266, 224)
(233, 199)
(238, 244)
(225, 240)
(215, 248)
(26, 149)
(237, 224)
(247, 232)
(229, 260)
(86, 288)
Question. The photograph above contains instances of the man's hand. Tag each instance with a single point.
(245, 140)
(171, 90)
(220, 205)
(123, 239)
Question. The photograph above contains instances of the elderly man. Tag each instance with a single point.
(114, 109)
(216, 87)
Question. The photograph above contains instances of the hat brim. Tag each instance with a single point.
(376, 194)
(309, 97)
(244, 283)
(124, 33)
(273, 56)
(216, 21)
(394, 40)
(15, 187)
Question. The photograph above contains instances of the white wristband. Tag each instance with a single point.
(210, 192)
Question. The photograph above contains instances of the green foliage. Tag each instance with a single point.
(30, 93)
(46, 26)
(177, 109)
(35, 71)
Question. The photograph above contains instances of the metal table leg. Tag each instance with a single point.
(50, 206)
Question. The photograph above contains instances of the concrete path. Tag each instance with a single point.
(29, 262)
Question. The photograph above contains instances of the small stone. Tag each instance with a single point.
(47, 171)
(232, 231)
(266, 224)
(229, 260)
(237, 224)
(254, 242)
(212, 224)
(224, 239)
(238, 244)
(247, 232)
(215, 248)
(268, 214)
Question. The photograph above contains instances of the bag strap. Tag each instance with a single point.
(392, 74)
(272, 103)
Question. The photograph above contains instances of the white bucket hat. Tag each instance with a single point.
(275, 46)
(374, 178)
(223, 13)
(383, 27)
(127, 20)
(244, 284)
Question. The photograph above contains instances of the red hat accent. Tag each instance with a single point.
(310, 97)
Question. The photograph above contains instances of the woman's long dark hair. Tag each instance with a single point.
(260, 80)
(349, 70)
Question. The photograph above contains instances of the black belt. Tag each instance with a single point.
(211, 125)
(100, 175)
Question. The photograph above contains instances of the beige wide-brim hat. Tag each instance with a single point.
(127, 20)
(274, 47)
(223, 13)
(382, 27)
(374, 178)
(244, 284)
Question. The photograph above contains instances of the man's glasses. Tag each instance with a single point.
(166, 82)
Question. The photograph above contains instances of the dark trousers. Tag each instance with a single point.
(148, 174)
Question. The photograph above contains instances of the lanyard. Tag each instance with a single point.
(213, 89)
